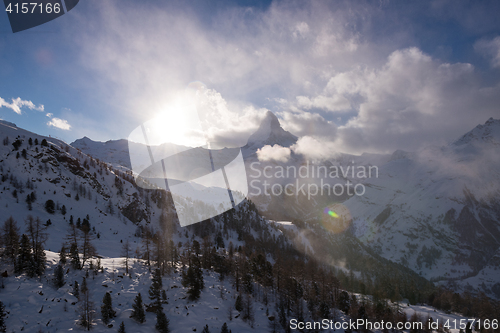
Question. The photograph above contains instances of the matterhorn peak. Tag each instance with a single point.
(271, 120)
(270, 132)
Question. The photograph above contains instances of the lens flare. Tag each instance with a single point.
(336, 218)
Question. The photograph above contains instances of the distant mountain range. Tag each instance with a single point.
(436, 210)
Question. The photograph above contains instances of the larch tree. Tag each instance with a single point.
(126, 252)
(86, 307)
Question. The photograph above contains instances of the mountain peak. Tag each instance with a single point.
(489, 132)
(271, 120)
(270, 132)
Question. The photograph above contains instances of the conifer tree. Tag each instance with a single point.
(161, 321)
(193, 279)
(39, 260)
(62, 255)
(238, 305)
(3, 314)
(76, 290)
(75, 257)
(121, 329)
(10, 240)
(205, 329)
(138, 310)
(24, 258)
(156, 287)
(59, 276)
(224, 329)
(107, 308)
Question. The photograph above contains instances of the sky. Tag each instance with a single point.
(344, 76)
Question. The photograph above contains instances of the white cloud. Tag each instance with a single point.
(274, 153)
(18, 103)
(328, 103)
(411, 101)
(59, 123)
(491, 49)
(245, 55)
(49, 115)
(290, 58)
(315, 149)
(302, 123)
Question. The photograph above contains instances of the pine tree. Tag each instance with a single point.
(3, 314)
(75, 257)
(10, 240)
(161, 321)
(156, 287)
(39, 260)
(193, 279)
(107, 308)
(238, 305)
(138, 310)
(59, 276)
(35, 230)
(62, 255)
(88, 250)
(121, 329)
(24, 259)
(224, 329)
(205, 329)
(76, 290)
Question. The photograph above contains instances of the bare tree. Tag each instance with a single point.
(87, 310)
(147, 236)
(126, 251)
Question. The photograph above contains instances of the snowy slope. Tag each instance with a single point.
(438, 207)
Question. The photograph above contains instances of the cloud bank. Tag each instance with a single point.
(341, 76)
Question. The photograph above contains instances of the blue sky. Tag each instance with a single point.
(349, 76)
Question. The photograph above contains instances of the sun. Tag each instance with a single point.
(178, 123)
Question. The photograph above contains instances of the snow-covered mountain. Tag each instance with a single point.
(61, 186)
(242, 253)
(113, 151)
(269, 132)
(437, 210)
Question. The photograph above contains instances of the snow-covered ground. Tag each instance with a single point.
(38, 305)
